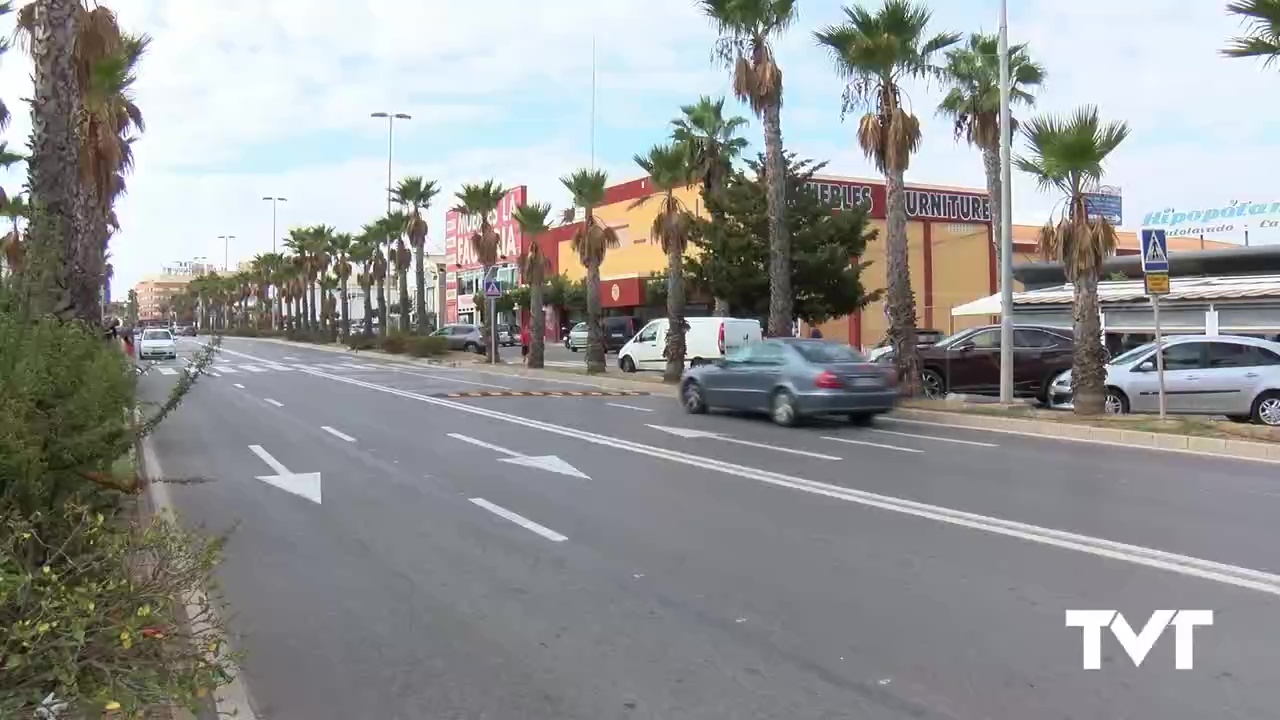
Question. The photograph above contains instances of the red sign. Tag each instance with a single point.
(922, 203)
(623, 292)
(460, 256)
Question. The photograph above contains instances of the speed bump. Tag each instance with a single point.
(539, 393)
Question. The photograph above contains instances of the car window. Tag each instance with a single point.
(443, 331)
(461, 329)
(1034, 339)
(1234, 355)
(1183, 356)
(157, 335)
(1133, 354)
(985, 340)
(762, 353)
(580, 327)
(828, 352)
(649, 333)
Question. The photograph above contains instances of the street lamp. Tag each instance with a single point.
(226, 252)
(274, 200)
(391, 121)
(1006, 220)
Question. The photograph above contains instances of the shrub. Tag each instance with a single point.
(427, 346)
(395, 343)
(358, 341)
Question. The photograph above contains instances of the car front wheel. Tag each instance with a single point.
(1115, 402)
(783, 408)
(692, 399)
(627, 364)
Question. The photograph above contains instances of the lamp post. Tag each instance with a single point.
(274, 201)
(1006, 219)
(226, 251)
(391, 123)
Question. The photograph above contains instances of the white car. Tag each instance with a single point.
(577, 338)
(157, 344)
(706, 340)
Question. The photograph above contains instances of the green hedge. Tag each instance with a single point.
(395, 343)
(427, 346)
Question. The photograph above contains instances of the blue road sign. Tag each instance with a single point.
(1155, 252)
(492, 289)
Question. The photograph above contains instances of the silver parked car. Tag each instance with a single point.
(1203, 375)
(577, 339)
(463, 337)
(791, 378)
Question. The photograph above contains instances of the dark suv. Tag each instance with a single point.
(969, 361)
(618, 330)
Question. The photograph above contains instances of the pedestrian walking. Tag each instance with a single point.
(526, 341)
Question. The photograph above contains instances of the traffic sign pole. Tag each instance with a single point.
(1155, 269)
(1155, 309)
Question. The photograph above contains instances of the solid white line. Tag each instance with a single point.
(337, 434)
(778, 448)
(455, 380)
(483, 444)
(253, 368)
(266, 458)
(1101, 547)
(281, 368)
(354, 366)
(872, 444)
(290, 357)
(239, 386)
(167, 371)
(277, 403)
(629, 407)
(523, 522)
(935, 437)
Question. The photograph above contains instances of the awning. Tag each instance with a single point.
(981, 306)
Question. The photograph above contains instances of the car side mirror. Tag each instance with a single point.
(965, 347)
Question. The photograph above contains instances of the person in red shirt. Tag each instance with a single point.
(526, 340)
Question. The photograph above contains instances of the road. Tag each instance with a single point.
(601, 556)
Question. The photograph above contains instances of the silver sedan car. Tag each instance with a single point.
(1230, 375)
(789, 379)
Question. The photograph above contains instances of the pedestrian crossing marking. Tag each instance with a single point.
(167, 371)
(540, 393)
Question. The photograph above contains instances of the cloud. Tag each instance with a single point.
(246, 98)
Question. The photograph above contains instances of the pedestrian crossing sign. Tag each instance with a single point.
(492, 289)
(1155, 252)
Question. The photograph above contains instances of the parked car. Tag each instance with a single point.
(508, 335)
(924, 338)
(790, 379)
(157, 344)
(707, 339)
(1203, 375)
(577, 338)
(969, 361)
(186, 330)
(463, 336)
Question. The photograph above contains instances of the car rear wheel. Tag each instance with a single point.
(627, 365)
(782, 408)
(471, 347)
(932, 385)
(1115, 402)
(1266, 409)
(692, 399)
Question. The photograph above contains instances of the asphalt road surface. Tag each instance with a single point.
(400, 549)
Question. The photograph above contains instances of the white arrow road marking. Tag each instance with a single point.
(337, 434)
(872, 444)
(550, 463)
(629, 407)
(523, 522)
(306, 485)
(277, 403)
(935, 437)
(691, 433)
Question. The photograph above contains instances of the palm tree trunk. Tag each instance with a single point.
(674, 351)
(537, 323)
(368, 309)
(780, 300)
(1087, 371)
(899, 299)
(991, 164)
(382, 307)
(57, 239)
(313, 321)
(346, 312)
(403, 278)
(595, 331)
(721, 308)
(420, 284)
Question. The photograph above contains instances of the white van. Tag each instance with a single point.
(708, 339)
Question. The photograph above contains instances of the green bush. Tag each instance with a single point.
(395, 343)
(359, 341)
(427, 346)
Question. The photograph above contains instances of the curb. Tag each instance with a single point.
(1167, 442)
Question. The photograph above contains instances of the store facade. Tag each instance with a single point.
(464, 281)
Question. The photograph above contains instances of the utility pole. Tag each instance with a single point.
(1006, 216)
(274, 200)
(391, 122)
(226, 251)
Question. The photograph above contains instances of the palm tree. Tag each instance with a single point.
(328, 307)
(1262, 39)
(269, 267)
(876, 52)
(340, 248)
(318, 242)
(415, 195)
(673, 225)
(299, 243)
(397, 225)
(376, 234)
(1067, 156)
(361, 253)
(481, 201)
(591, 242)
(534, 264)
(973, 102)
(710, 143)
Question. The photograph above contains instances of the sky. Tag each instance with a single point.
(249, 98)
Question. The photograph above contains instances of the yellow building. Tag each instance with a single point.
(157, 292)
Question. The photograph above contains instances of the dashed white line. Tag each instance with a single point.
(523, 522)
(871, 444)
(629, 407)
(253, 368)
(277, 403)
(228, 369)
(239, 386)
(338, 434)
(483, 444)
(167, 371)
(289, 357)
(212, 373)
(935, 437)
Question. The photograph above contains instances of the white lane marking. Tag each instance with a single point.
(523, 522)
(935, 437)
(337, 433)
(355, 366)
(272, 462)
(167, 371)
(1136, 554)
(277, 403)
(281, 368)
(455, 380)
(872, 444)
(253, 368)
(239, 386)
(331, 367)
(228, 369)
(1041, 436)
(212, 373)
(485, 445)
(290, 357)
(629, 407)
(691, 433)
